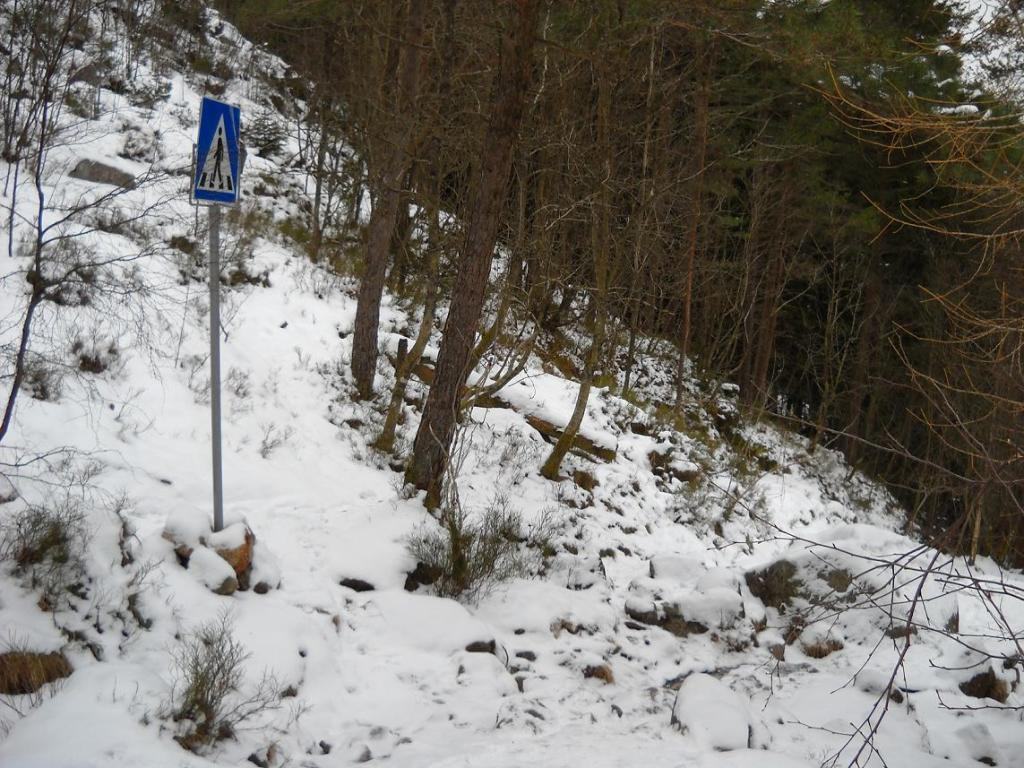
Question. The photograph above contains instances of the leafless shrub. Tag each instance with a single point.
(471, 554)
(209, 699)
(273, 437)
(47, 545)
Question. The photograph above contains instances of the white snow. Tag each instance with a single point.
(385, 674)
(712, 714)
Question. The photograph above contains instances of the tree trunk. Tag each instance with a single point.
(696, 212)
(317, 238)
(437, 428)
(601, 254)
(382, 218)
(404, 366)
(568, 436)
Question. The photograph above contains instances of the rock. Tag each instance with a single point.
(527, 655)
(684, 570)
(186, 531)
(24, 672)
(819, 640)
(482, 646)
(584, 480)
(213, 571)
(227, 587)
(667, 616)
(775, 585)
(357, 585)
(980, 744)
(234, 545)
(665, 464)
(644, 611)
(422, 574)
(679, 625)
(819, 649)
(183, 552)
(266, 571)
(719, 607)
(712, 713)
(101, 173)
(600, 672)
(986, 685)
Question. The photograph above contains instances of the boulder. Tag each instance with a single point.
(986, 685)
(421, 575)
(24, 672)
(234, 545)
(101, 173)
(776, 585)
(713, 714)
(356, 585)
(683, 570)
(601, 672)
(213, 571)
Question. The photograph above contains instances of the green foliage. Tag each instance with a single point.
(265, 134)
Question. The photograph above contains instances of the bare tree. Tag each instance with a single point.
(433, 439)
(385, 208)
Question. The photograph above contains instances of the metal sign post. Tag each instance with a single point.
(215, 182)
(218, 478)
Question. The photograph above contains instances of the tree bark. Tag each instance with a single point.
(601, 256)
(440, 416)
(696, 212)
(385, 209)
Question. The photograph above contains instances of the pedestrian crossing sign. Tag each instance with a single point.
(217, 167)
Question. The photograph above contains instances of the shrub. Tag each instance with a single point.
(95, 357)
(42, 380)
(265, 133)
(48, 544)
(471, 554)
(207, 698)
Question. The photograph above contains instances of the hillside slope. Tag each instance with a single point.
(640, 627)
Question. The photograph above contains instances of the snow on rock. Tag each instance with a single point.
(710, 712)
(979, 744)
(424, 623)
(684, 570)
(266, 569)
(213, 571)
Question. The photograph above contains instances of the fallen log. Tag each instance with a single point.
(550, 432)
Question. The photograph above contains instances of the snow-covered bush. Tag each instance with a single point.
(46, 544)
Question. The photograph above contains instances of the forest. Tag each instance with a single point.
(816, 201)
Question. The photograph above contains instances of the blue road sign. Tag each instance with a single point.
(217, 168)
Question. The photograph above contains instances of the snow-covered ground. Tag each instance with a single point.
(635, 640)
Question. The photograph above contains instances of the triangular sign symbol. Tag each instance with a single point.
(216, 174)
